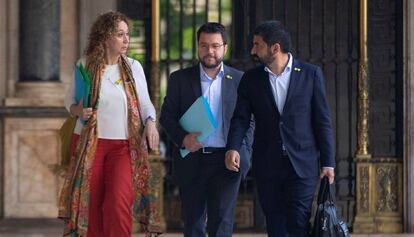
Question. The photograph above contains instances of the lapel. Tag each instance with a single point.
(195, 82)
(294, 80)
(264, 76)
(229, 98)
(226, 87)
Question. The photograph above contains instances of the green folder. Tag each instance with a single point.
(82, 86)
(87, 88)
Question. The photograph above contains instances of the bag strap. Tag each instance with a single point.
(325, 191)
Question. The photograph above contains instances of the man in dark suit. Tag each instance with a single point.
(293, 141)
(207, 188)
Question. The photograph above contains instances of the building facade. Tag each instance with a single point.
(365, 49)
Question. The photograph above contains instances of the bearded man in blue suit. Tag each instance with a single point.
(208, 190)
(293, 139)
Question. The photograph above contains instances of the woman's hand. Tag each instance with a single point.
(79, 111)
(151, 134)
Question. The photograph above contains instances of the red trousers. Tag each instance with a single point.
(111, 193)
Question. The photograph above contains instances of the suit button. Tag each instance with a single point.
(281, 123)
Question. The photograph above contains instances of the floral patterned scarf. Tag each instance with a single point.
(74, 196)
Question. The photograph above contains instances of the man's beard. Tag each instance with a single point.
(265, 60)
(211, 65)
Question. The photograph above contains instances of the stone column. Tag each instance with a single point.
(409, 115)
(38, 80)
(156, 159)
(379, 179)
(39, 40)
(364, 219)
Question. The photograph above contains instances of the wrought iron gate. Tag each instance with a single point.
(325, 33)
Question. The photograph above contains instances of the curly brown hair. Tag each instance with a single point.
(105, 26)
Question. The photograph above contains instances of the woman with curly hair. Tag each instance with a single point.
(107, 181)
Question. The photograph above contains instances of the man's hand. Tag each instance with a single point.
(232, 160)
(191, 143)
(328, 172)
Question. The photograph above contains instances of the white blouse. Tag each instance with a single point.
(112, 107)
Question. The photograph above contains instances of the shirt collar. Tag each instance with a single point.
(287, 69)
(204, 75)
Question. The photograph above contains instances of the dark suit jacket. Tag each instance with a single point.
(184, 87)
(304, 126)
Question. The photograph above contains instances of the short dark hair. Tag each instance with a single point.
(212, 27)
(274, 32)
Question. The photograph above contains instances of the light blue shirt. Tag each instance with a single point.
(211, 89)
(280, 84)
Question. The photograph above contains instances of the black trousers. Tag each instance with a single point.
(210, 199)
(286, 200)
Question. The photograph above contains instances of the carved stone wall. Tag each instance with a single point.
(30, 188)
(380, 199)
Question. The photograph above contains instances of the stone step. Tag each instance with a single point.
(53, 228)
(50, 234)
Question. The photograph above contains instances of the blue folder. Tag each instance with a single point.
(198, 118)
(82, 85)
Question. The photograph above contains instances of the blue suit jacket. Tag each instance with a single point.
(304, 126)
(184, 87)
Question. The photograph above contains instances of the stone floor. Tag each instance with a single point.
(53, 228)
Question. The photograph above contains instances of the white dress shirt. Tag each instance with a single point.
(112, 110)
(280, 84)
(211, 89)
